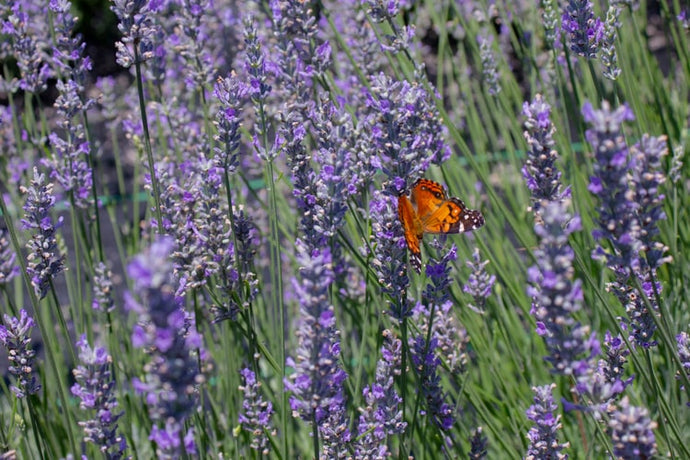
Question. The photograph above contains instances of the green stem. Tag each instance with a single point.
(94, 189)
(147, 140)
(403, 377)
(277, 290)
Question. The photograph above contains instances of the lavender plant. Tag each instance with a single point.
(382, 416)
(389, 256)
(631, 432)
(44, 259)
(257, 413)
(103, 289)
(27, 34)
(69, 165)
(609, 56)
(489, 67)
(8, 267)
(168, 336)
(137, 31)
(583, 29)
(479, 443)
(683, 349)
(406, 131)
(95, 388)
(543, 436)
(620, 214)
(540, 171)
(15, 335)
(317, 384)
(479, 283)
(556, 296)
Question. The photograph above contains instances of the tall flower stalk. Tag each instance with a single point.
(556, 295)
(168, 336)
(626, 184)
(135, 48)
(44, 259)
(317, 386)
(95, 387)
(479, 283)
(382, 416)
(583, 29)
(15, 336)
(543, 436)
(256, 413)
(540, 171)
(8, 266)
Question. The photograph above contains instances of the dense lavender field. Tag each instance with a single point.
(211, 254)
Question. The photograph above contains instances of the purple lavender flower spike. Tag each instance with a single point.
(95, 386)
(233, 258)
(612, 366)
(479, 283)
(436, 311)
(385, 11)
(540, 172)
(583, 29)
(15, 336)
(620, 213)
(70, 162)
(25, 28)
(136, 28)
(632, 432)
(102, 289)
(489, 66)
(323, 180)
(389, 254)
(44, 259)
(552, 30)
(609, 56)
(617, 220)
(191, 19)
(382, 416)
(256, 415)
(230, 92)
(317, 385)
(8, 266)
(69, 57)
(556, 295)
(70, 165)
(648, 178)
(543, 436)
(303, 55)
(440, 412)
(258, 88)
(599, 385)
(407, 132)
(168, 335)
(683, 346)
(438, 272)
(479, 445)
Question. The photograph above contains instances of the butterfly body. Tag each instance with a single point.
(430, 210)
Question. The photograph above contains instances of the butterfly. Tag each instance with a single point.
(429, 210)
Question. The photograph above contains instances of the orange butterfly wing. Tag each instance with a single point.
(412, 230)
(452, 216)
(427, 196)
(431, 211)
